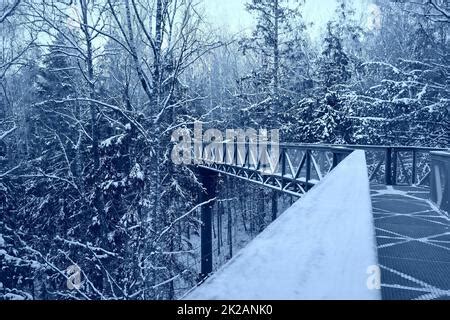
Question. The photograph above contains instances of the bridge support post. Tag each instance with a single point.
(208, 179)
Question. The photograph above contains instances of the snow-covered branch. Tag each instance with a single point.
(174, 222)
(8, 132)
(8, 10)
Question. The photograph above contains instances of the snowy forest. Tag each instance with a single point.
(91, 91)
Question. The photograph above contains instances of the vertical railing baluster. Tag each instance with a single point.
(394, 166)
(335, 160)
(248, 156)
(283, 167)
(388, 167)
(235, 156)
(202, 153)
(308, 169)
(224, 155)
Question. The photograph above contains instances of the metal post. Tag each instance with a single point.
(388, 168)
(247, 156)
(394, 167)
(414, 170)
(274, 205)
(208, 179)
(335, 160)
(339, 154)
(308, 169)
(440, 180)
(235, 155)
(224, 154)
(283, 167)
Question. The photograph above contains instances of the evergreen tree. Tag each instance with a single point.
(278, 30)
(323, 116)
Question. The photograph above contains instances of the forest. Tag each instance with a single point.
(91, 91)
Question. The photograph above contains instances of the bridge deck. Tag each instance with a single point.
(413, 241)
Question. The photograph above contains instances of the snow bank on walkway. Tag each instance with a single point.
(320, 248)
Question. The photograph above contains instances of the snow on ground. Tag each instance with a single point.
(320, 248)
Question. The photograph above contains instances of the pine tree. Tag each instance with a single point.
(278, 29)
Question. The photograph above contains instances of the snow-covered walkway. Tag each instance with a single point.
(320, 248)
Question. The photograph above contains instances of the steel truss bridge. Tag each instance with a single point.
(295, 168)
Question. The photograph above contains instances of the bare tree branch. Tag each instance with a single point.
(9, 11)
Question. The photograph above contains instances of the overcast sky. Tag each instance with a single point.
(231, 14)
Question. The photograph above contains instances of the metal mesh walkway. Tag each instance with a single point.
(413, 239)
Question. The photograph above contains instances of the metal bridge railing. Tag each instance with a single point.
(440, 179)
(398, 165)
(287, 168)
(295, 168)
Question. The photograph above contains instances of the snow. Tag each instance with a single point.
(2, 241)
(12, 296)
(320, 248)
(112, 141)
(8, 132)
(136, 172)
(17, 261)
(441, 153)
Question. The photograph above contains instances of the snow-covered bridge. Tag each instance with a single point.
(363, 211)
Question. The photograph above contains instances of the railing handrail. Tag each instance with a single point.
(441, 153)
(323, 146)
(406, 148)
(392, 161)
